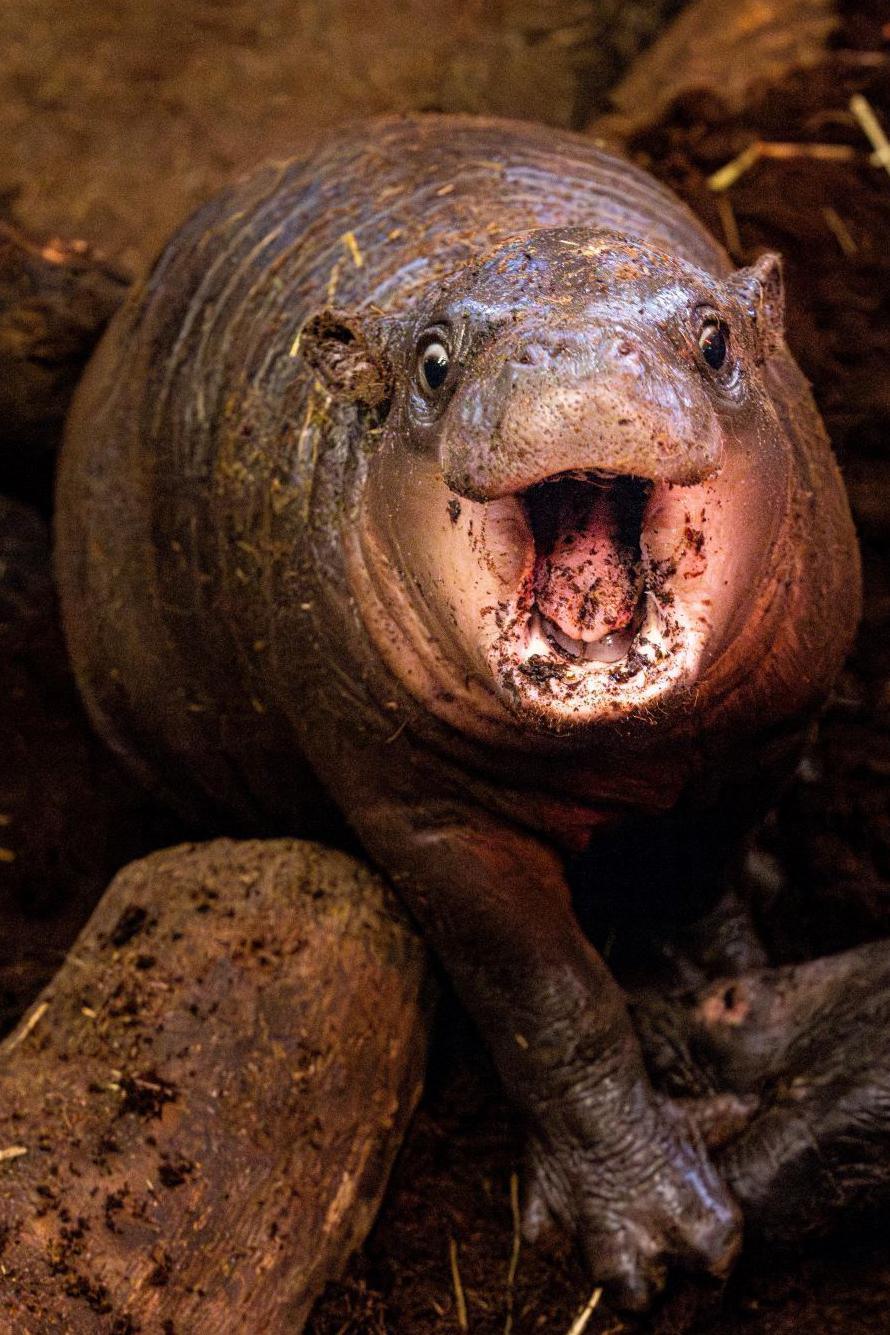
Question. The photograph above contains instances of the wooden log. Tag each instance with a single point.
(198, 1116)
(727, 53)
(55, 300)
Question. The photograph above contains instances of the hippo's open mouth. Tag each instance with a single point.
(589, 589)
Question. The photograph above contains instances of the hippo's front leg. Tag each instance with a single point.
(611, 1161)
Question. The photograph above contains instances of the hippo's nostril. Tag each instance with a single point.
(534, 354)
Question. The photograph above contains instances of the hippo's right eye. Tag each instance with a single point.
(714, 343)
(432, 366)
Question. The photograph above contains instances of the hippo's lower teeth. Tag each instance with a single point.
(610, 648)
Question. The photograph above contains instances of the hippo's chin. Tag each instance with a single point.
(557, 683)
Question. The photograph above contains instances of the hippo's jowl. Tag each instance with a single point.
(456, 469)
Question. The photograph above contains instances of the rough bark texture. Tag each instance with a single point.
(731, 52)
(55, 300)
(116, 120)
(69, 818)
(209, 1095)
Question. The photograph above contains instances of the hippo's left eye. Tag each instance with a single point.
(432, 366)
(714, 343)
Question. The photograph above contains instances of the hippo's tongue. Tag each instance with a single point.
(587, 571)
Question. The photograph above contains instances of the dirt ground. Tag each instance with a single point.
(820, 870)
(452, 1183)
(117, 120)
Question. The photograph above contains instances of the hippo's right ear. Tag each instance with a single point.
(349, 354)
(762, 289)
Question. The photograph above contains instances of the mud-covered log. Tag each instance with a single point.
(115, 121)
(725, 52)
(55, 300)
(69, 818)
(198, 1116)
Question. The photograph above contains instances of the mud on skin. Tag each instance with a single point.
(453, 473)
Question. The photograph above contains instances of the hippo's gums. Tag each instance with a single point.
(455, 468)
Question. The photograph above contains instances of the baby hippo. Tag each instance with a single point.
(453, 475)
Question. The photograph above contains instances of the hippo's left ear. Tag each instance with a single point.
(349, 354)
(763, 292)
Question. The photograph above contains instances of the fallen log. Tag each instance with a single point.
(199, 1114)
(729, 54)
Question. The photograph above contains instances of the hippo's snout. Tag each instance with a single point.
(601, 401)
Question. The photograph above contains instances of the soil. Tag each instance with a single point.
(69, 816)
(117, 120)
(452, 1182)
(820, 869)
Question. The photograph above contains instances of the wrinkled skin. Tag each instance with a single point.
(587, 589)
(803, 1054)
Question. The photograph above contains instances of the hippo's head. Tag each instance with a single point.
(579, 478)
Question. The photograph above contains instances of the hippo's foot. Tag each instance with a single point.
(654, 1203)
(811, 1044)
(723, 941)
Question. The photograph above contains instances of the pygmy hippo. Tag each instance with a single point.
(455, 468)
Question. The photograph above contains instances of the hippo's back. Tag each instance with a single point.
(189, 525)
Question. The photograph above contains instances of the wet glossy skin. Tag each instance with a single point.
(575, 351)
(279, 545)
